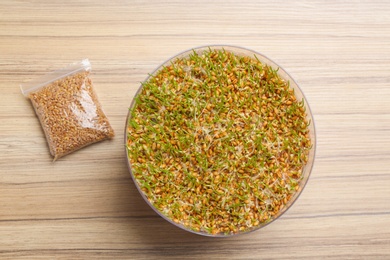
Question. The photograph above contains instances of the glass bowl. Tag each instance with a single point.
(261, 211)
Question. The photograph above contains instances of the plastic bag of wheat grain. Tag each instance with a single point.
(68, 109)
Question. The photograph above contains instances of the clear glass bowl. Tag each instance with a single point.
(239, 51)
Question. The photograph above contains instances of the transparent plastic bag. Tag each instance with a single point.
(68, 109)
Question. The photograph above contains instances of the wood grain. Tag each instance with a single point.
(86, 206)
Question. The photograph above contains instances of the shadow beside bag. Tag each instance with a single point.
(68, 109)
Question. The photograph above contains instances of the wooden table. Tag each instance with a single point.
(86, 205)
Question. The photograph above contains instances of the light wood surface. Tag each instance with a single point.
(86, 206)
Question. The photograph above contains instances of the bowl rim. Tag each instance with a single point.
(313, 136)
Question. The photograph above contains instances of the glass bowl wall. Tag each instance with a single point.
(298, 94)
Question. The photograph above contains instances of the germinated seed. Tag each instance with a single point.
(217, 142)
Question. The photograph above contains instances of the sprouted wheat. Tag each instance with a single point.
(217, 142)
